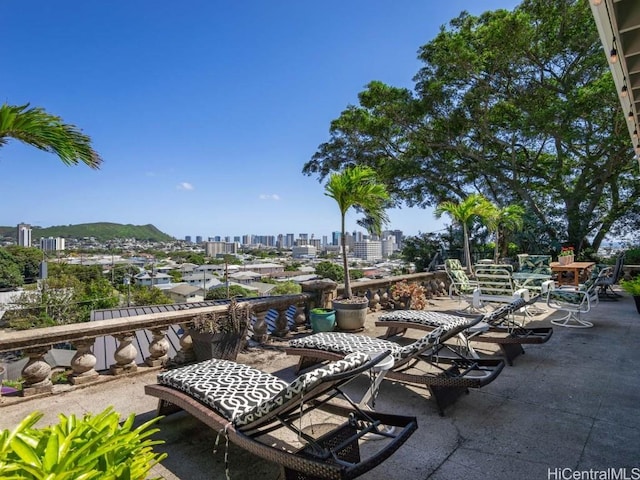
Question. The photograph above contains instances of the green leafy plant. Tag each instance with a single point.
(93, 447)
(631, 286)
(235, 320)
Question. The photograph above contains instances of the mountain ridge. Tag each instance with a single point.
(101, 231)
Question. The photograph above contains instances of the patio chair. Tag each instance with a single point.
(533, 272)
(576, 300)
(496, 286)
(263, 414)
(428, 362)
(606, 283)
(498, 327)
(461, 285)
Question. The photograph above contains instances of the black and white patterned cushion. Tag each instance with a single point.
(345, 343)
(243, 394)
(504, 311)
(428, 318)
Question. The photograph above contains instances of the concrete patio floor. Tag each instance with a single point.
(570, 405)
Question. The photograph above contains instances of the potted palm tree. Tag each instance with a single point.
(356, 187)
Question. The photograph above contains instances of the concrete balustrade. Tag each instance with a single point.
(35, 343)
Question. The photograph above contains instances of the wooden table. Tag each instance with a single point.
(579, 270)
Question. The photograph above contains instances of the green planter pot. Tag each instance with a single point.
(322, 320)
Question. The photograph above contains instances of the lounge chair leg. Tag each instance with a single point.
(445, 396)
(392, 331)
(166, 408)
(511, 351)
(305, 362)
(572, 321)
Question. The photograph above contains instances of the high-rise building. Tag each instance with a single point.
(23, 237)
(198, 238)
(51, 244)
(335, 238)
(187, 239)
(368, 250)
(290, 240)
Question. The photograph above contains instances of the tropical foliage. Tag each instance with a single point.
(330, 270)
(518, 106)
(357, 187)
(91, 447)
(35, 127)
(464, 213)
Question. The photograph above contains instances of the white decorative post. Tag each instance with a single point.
(125, 355)
(83, 362)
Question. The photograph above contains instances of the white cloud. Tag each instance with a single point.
(272, 196)
(185, 186)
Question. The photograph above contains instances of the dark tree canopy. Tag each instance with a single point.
(517, 105)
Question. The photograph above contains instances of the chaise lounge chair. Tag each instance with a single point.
(263, 414)
(496, 327)
(427, 362)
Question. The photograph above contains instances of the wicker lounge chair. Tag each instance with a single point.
(497, 327)
(427, 362)
(263, 414)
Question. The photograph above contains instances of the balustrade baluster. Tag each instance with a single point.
(83, 363)
(36, 373)
(186, 353)
(125, 355)
(158, 348)
(260, 327)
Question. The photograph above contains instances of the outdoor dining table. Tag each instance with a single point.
(579, 270)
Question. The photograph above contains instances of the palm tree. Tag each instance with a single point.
(47, 132)
(503, 220)
(465, 213)
(357, 187)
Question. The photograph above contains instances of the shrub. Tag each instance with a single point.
(409, 295)
(94, 447)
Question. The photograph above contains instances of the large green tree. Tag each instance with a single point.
(517, 105)
(35, 127)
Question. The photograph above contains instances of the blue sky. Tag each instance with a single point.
(203, 111)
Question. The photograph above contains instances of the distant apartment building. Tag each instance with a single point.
(187, 239)
(370, 250)
(303, 251)
(51, 244)
(198, 239)
(315, 242)
(335, 238)
(389, 246)
(289, 242)
(213, 249)
(23, 236)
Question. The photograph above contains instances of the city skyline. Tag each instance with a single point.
(204, 115)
